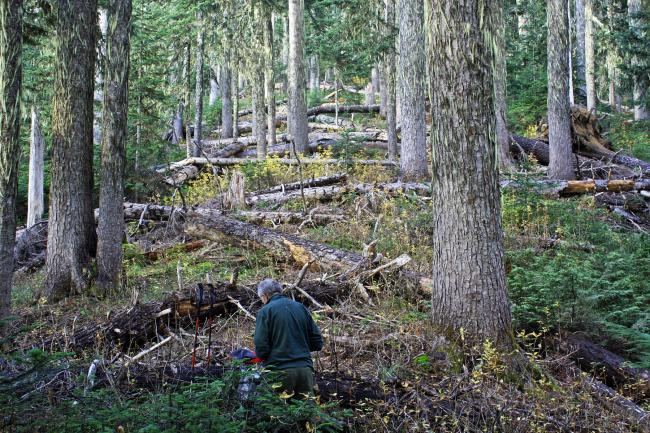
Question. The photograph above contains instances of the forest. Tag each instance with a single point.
(452, 195)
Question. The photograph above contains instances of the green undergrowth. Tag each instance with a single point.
(632, 137)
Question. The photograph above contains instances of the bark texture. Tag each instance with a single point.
(11, 39)
(389, 75)
(413, 162)
(198, 91)
(559, 114)
(580, 42)
(641, 80)
(503, 137)
(71, 233)
(297, 107)
(35, 198)
(258, 86)
(110, 229)
(187, 95)
(468, 269)
(590, 60)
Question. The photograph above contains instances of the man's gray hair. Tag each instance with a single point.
(268, 287)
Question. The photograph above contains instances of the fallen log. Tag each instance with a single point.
(197, 161)
(258, 217)
(331, 192)
(609, 367)
(318, 181)
(214, 226)
(557, 188)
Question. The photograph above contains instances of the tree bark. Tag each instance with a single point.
(11, 39)
(389, 75)
(413, 162)
(226, 98)
(559, 114)
(35, 198)
(611, 59)
(640, 77)
(383, 95)
(187, 96)
(214, 86)
(314, 74)
(198, 96)
(590, 60)
(374, 81)
(503, 137)
(235, 102)
(258, 84)
(468, 267)
(522, 19)
(71, 233)
(110, 229)
(177, 126)
(269, 78)
(297, 107)
(581, 77)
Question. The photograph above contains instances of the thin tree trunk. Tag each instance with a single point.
(503, 137)
(559, 114)
(269, 79)
(110, 230)
(389, 72)
(580, 43)
(297, 108)
(35, 198)
(198, 97)
(640, 77)
(468, 267)
(570, 53)
(11, 39)
(187, 96)
(412, 72)
(71, 232)
(226, 98)
(259, 108)
(522, 19)
(314, 79)
(590, 61)
(284, 54)
(235, 102)
(383, 95)
(99, 77)
(611, 62)
(178, 122)
(214, 88)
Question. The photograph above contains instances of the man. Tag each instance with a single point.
(285, 334)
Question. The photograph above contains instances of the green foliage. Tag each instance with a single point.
(633, 137)
(596, 281)
(204, 406)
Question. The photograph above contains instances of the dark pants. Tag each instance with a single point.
(298, 381)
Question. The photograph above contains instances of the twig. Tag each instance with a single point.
(145, 352)
(239, 305)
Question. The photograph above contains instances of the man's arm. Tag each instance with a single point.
(261, 339)
(315, 337)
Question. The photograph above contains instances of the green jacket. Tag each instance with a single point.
(285, 334)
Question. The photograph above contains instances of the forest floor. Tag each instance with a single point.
(576, 272)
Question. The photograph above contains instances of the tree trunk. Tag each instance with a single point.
(314, 79)
(258, 83)
(235, 102)
(99, 77)
(383, 95)
(35, 198)
(188, 96)
(71, 233)
(11, 14)
(590, 60)
(177, 136)
(611, 59)
(580, 43)
(559, 114)
(110, 230)
(503, 137)
(198, 96)
(214, 86)
(374, 81)
(389, 71)
(522, 19)
(413, 163)
(226, 98)
(297, 108)
(640, 77)
(468, 267)
(570, 57)
(269, 79)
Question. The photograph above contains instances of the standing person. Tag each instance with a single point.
(285, 334)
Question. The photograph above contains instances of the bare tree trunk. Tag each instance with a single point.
(590, 61)
(412, 72)
(570, 53)
(559, 114)
(285, 53)
(188, 96)
(35, 198)
(297, 108)
(11, 29)
(177, 123)
(522, 19)
(235, 102)
(640, 78)
(214, 87)
(71, 232)
(198, 97)
(314, 74)
(226, 98)
(389, 74)
(580, 43)
(269, 79)
(503, 137)
(383, 95)
(259, 109)
(110, 230)
(468, 268)
(99, 76)
(611, 62)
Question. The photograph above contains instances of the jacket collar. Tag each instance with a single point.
(275, 298)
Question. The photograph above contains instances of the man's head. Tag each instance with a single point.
(267, 288)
